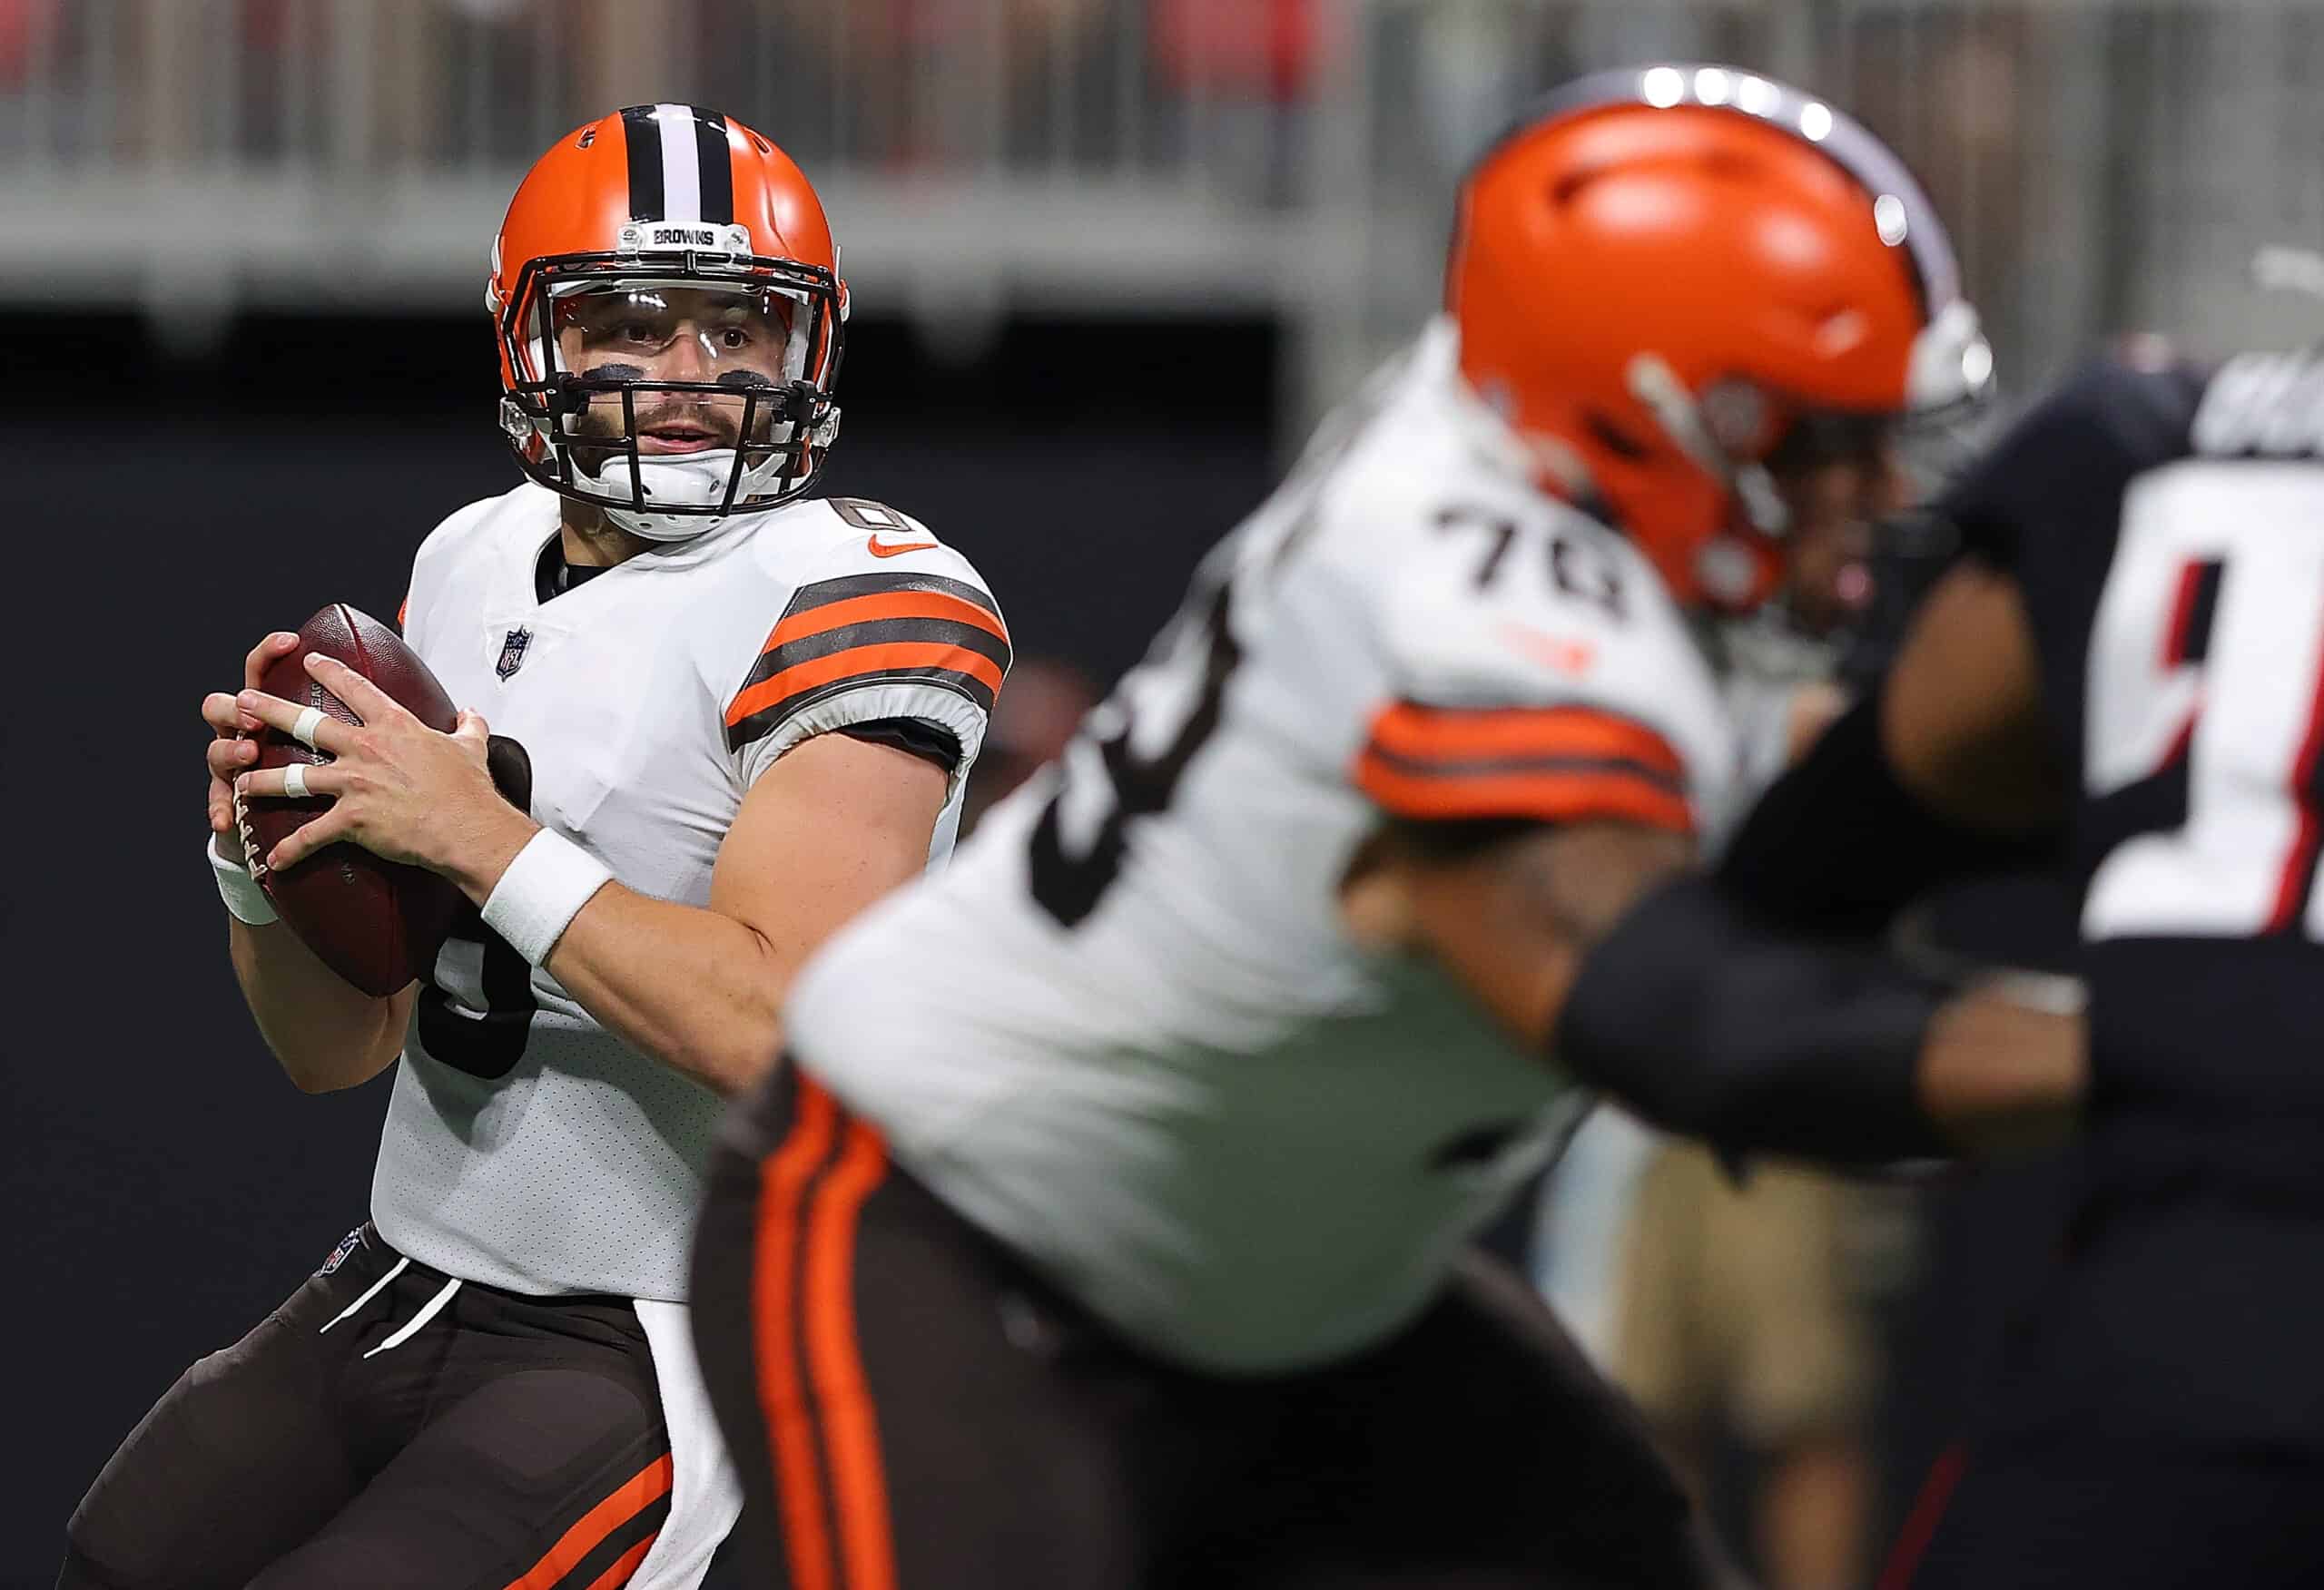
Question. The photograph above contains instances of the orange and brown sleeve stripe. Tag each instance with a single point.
(865, 629)
(1550, 765)
(831, 1485)
(602, 1550)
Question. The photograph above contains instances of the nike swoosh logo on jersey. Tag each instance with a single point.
(872, 544)
(1561, 652)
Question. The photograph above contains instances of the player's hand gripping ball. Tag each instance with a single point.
(376, 923)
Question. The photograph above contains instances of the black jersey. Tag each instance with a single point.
(2166, 528)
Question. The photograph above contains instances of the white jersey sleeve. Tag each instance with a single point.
(883, 622)
(1535, 670)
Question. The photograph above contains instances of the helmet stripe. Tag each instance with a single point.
(681, 172)
(642, 135)
(714, 167)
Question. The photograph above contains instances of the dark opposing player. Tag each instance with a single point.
(747, 711)
(1123, 1241)
(2129, 666)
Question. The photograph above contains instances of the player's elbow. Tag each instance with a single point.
(752, 1051)
(318, 1070)
(732, 1057)
(755, 1040)
(332, 1061)
(310, 1079)
(729, 1043)
(313, 1069)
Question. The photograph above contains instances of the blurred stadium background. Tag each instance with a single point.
(1109, 257)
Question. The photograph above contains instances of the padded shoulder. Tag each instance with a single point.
(858, 614)
(1537, 669)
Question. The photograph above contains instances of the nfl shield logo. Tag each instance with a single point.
(512, 652)
(347, 1245)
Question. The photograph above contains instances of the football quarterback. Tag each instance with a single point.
(1128, 1240)
(745, 711)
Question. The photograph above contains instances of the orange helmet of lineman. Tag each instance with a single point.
(670, 315)
(1678, 283)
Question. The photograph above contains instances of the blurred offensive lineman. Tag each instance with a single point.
(1122, 1244)
(747, 713)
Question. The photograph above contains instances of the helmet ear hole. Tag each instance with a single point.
(1613, 439)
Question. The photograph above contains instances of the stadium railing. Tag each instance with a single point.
(2106, 163)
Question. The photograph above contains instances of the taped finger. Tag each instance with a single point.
(293, 782)
(303, 727)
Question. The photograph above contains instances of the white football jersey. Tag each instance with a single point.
(1135, 1042)
(526, 1147)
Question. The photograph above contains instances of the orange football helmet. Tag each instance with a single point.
(1666, 277)
(667, 261)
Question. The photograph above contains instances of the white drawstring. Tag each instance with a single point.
(429, 1310)
(375, 1288)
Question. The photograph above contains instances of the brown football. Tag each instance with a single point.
(378, 923)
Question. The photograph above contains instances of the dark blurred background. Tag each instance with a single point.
(1110, 258)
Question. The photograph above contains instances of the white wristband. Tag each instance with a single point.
(244, 895)
(544, 889)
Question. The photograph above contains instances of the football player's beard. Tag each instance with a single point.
(601, 421)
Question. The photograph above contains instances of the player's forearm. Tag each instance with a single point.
(698, 991)
(832, 828)
(1707, 1019)
(326, 1033)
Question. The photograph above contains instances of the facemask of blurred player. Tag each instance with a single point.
(679, 372)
